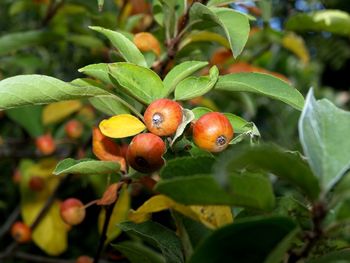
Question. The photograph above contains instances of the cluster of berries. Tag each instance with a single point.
(211, 132)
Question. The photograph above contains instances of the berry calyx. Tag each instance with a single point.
(72, 211)
(163, 117)
(212, 132)
(21, 232)
(145, 152)
(45, 144)
(74, 129)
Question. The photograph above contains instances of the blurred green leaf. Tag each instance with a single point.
(322, 127)
(193, 87)
(25, 90)
(127, 48)
(333, 21)
(141, 83)
(14, 41)
(204, 36)
(157, 235)
(234, 243)
(137, 253)
(224, 17)
(86, 166)
(262, 84)
(179, 73)
(29, 117)
(271, 159)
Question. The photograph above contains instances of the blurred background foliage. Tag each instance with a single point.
(52, 37)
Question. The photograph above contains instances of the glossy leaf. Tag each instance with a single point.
(260, 158)
(29, 117)
(158, 235)
(193, 87)
(187, 166)
(333, 21)
(121, 126)
(230, 243)
(127, 48)
(99, 71)
(39, 89)
(262, 84)
(204, 190)
(139, 82)
(135, 252)
(322, 127)
(224, 17)
(58, 111)
(205, 36)
(179, 73)
(86, 166)
(187, 118)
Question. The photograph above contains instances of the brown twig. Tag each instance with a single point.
(9, 222)
(319, 212)
(52, 10)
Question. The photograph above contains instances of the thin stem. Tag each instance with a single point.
(9, 222)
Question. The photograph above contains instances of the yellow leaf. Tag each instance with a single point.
(119, 214)
(296, 44)
(51, 234)
(159, 203)
(210, 216)
(58, 111)
(121, 126)
(214, 216)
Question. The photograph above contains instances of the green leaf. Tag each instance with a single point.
(240, 125)
(187, 118)
(29, 117)
(141, 83)
(179, 73)
(193, 87)
(323, 130)
(14, 41)
(224, 17)
(270, 159)
(220, 2)
(204, 36)
(25, 90)
(86, 166)
(99, 71)
(262, 84)
(127, 48)
(340, 256)
(137, 253)
(200, 111)
(187, 166)
(333, 21)
(203, 190)
(234, 243)
(109, 105)
(157, 235)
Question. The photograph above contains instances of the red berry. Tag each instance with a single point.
(36, 183)
(45, 144)
(21, 232)
(163, 116)
(74, 129)
(212, 132)
(72, 211)
(145, 152)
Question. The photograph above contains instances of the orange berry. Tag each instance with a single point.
(145, 152)
(163, 117)
(21, 232)
(45, 144)
(74, 129)
(72, 211)
(212, 132)
(145, 42)
(84, 259)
